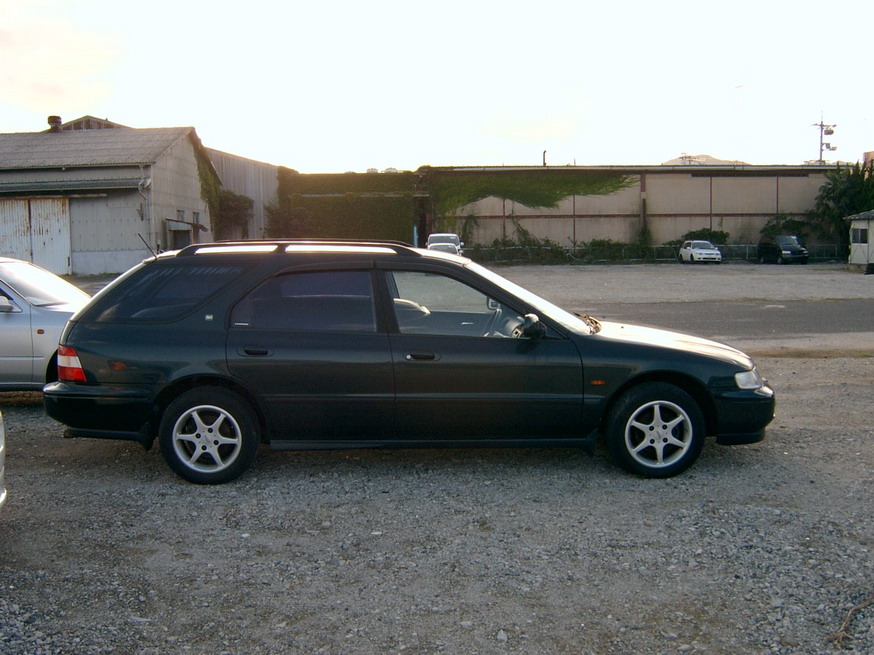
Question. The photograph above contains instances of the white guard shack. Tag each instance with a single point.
(861, 252)
(91, 196)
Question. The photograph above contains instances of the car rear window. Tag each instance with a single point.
(165, 293)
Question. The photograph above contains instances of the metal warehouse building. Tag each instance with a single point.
(91, 201)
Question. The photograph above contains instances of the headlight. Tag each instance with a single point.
(748, 379)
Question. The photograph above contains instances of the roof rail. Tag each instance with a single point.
(277, 245)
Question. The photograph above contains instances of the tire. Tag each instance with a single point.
(655, 430)
(209, 435)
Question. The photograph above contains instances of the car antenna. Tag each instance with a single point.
(147, 245)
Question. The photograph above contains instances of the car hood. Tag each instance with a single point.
(673, 341)
(64, 308)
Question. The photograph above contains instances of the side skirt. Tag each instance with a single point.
(586, 443)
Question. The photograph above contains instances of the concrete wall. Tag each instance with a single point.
(673, 201)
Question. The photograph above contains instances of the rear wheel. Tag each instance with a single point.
(655, 430)
(209, 435)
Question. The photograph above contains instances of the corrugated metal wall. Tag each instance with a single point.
(37, 230)
(247, 177)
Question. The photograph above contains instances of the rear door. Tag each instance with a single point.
(309, 343)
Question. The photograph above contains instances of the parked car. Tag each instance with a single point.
(217, 348)
(782, 249)
(451, 248)
(2, 462)
(699, 251)
(445, 237)
(34, 307)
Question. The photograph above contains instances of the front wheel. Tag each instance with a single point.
(655, 430)
(209, 435)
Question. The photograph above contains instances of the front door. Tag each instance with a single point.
(462, 375)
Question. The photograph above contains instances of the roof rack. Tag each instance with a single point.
(278, 245)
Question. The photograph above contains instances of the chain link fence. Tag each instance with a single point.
(622, 253)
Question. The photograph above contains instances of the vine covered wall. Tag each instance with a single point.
(347, 206)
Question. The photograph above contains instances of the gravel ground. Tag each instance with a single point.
(757, 549)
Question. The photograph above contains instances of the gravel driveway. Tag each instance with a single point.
(757, 549)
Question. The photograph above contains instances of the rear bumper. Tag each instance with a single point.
(100, 412)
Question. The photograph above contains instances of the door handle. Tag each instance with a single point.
(420, 357)
(255, 351)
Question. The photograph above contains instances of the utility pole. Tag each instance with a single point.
(825, 129)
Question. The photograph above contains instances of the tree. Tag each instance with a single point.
(232, 219)
(848, 190)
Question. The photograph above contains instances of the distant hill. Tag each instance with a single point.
(702, 160)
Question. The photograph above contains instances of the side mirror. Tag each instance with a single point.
(6, 305)
(530, 327)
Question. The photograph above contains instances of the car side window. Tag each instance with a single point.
(310, 301)
(434, 304)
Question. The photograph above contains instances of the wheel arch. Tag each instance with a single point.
(172, 391)
(692, 386)
(51, 370)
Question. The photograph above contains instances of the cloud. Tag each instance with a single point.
(50, 66)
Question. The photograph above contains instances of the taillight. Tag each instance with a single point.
(69, 367)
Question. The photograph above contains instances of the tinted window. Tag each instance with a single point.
(312, 301)
(789, 241)
(164, 293)
(427, 303)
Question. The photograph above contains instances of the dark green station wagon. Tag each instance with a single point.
(219, 348)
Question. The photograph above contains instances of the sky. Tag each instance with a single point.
(330, 86)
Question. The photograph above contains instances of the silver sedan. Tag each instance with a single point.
(34, 307)
(2, 461)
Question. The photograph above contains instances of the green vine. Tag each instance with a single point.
(210, 184)
(453, 190)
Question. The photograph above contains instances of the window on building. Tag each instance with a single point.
(860, 235)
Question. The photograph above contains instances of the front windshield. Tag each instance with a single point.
(556, 313)
(789, 241)
(702, 245)
(38, 286)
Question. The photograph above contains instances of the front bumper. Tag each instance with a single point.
(742, 415)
